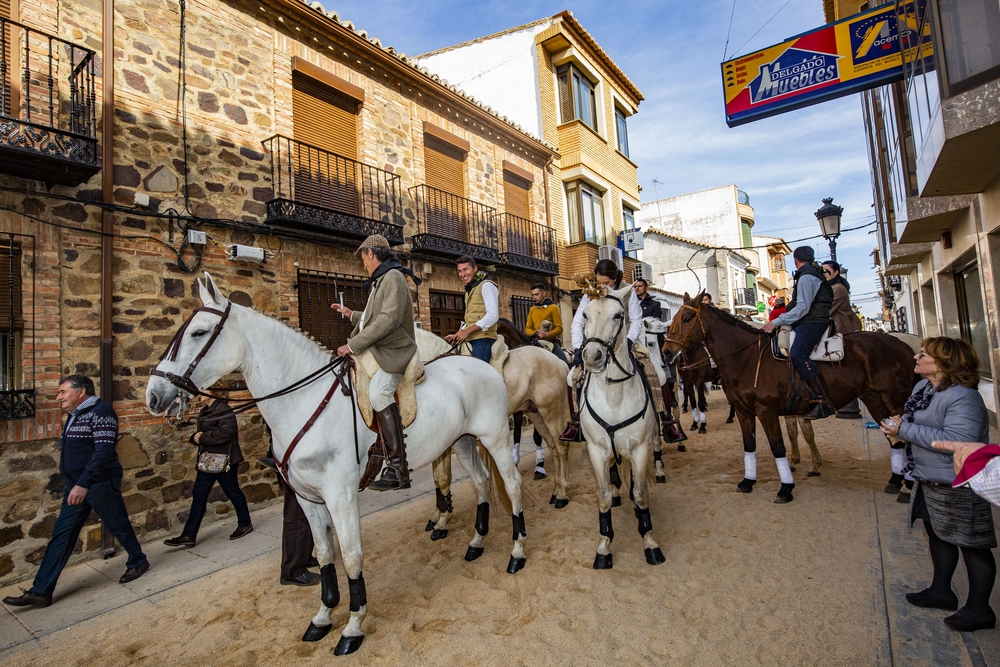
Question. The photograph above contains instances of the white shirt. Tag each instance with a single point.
(491, 298)
(634, 319)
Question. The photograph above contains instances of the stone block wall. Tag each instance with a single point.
(238, 75)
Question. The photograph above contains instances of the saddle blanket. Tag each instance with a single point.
(829, 348)
(406, 393)
(500, 353)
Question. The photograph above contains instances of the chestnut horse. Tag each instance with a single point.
(876, 368)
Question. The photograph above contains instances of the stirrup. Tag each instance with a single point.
(389, 481)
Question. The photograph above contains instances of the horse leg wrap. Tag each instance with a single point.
(443, 502)
(518, 522)
(483, 518)
(359, 595)
(657, 456)
(616, 479)
(605, 521)
(645, 522)
(330, 592)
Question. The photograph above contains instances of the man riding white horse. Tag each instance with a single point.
(482, 310)
(386, 328)
(809, 315)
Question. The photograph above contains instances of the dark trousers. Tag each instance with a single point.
(105, 498)
(482, 348)
(296, 536)
(806, 337)
(199, 499)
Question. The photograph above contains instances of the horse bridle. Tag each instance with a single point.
(184, 381)
(609, 346)
(697, 316)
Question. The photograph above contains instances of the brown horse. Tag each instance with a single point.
(696, 369)
(876, 368)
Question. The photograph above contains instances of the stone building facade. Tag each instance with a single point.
(194, 130)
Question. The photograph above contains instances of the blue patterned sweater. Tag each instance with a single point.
(87, 449)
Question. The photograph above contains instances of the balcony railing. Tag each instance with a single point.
(450, 225)
(324, 192)
(48, 110)
(742, 197)
(527, 245)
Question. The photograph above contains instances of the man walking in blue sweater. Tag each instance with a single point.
(89, 464)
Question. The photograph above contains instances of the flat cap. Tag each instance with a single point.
(373, 241)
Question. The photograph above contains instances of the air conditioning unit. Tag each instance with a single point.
(610, 252)
(642, 271)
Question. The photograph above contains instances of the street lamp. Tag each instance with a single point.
(829, 223)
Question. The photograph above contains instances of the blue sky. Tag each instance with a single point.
(672, 51)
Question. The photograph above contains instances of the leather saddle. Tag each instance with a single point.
(829, 348)
(500, 352)
(406, 393)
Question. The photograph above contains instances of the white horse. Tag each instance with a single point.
(457, 404)
(617, 417)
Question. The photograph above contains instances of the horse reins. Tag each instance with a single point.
(683, 345)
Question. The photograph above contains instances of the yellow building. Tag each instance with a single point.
(554, 81)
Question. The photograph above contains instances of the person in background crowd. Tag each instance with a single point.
(777, 308)
(482, 310)
(218, 433)
(976, 465)
(845, 320)
(89, 464)
(945, 406)
(670, 416)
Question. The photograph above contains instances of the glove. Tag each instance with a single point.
(577, 357)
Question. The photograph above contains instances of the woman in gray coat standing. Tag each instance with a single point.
(945, 405)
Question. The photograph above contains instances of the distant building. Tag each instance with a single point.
(773, 278)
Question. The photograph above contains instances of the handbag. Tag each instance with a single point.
(213, 464)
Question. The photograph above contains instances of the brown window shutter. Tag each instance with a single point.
(10, 298)
(515, 196)
(323, 117)
(6, 11)
(565, 75)
(444, 166)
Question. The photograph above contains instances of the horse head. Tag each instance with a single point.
(605, 327)
(201, 352)
(687, 328)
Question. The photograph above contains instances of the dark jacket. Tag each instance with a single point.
(651, 308)
(819, 310)
(87, 449)
(219, 431)
(957, 413)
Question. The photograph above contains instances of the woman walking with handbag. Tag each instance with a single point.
(219, 456)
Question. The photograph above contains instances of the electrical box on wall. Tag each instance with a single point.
(197, 238)
(246, 253)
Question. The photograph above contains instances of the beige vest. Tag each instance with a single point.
(475, 310)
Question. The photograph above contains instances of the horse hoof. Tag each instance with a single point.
(348, 645)
(681, 448)
(539, 475)
(616, 501)
(654, 556)
(729, 421)
(746, 486)
(791, 467)
(316, 632)
(603, 562)
(552, 500)
(429, 527)
(702, 430)
(661, 479)
(560, 503)
(515, 565)
(784, 494)
(473, 553)
(893, 488)
(438, 534)
(812, 473)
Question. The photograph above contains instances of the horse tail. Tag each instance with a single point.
(497, 486)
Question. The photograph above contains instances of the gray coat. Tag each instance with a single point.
(957, 413)
(388, 328)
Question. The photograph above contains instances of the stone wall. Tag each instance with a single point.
(239, 94)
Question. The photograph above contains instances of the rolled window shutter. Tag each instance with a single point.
(444, 166)
(323, 118)
(10, 297)
(565, 76)
(515, 196)
(9, 57)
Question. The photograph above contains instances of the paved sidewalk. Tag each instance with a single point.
(91, 589)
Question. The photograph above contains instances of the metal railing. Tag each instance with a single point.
(451, 225)
(321, 189)
(742, 197)
(527, 244)
(519, 307)
(317, 290)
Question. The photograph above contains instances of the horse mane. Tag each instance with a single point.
(513, 327)
(728, 318)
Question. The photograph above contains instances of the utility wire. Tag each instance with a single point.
(762, 27)
(729, 31)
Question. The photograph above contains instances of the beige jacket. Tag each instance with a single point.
(845, 320)
(388, 324)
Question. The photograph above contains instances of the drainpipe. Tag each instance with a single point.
(107, 194)
(554, 281)
(107, 223)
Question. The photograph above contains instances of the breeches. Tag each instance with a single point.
(382, 389)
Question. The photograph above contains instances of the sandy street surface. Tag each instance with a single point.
(746, 581)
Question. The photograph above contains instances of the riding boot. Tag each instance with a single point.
(823, 406)
(672, 431)
(573, 426)
(396, 474)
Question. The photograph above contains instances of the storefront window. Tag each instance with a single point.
(972, 315)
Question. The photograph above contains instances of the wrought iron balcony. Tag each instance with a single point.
(527, 245)
(324, 192)
(48, 110)
(451, 226)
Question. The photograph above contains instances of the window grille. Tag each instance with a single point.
(17, 392)
(519, 307)
(318, 290)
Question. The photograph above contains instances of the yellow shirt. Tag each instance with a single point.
(539, 314)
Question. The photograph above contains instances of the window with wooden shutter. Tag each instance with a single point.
(444, 170)
(8, 59)
(516, 196)
(325, 122)
(317, 291)
(11, 314)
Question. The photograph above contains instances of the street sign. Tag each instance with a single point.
(630, 240)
